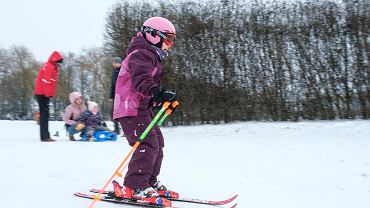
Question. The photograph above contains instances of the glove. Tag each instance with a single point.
(161, 95)
(80, 126)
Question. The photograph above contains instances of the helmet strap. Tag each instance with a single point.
(159, 44)
(153, 33)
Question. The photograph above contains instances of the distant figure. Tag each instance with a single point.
(117, 61)
(90, 121)
(45, 87)
(9, 117)
(72, 113)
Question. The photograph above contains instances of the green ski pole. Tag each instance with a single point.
(117, 172)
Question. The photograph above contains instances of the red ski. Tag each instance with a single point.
(115, 200)
(134, 202)
(189, 200)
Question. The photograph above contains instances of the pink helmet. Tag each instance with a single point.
(155, 29)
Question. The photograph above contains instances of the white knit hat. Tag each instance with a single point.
(91, 105)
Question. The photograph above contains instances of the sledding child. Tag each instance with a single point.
(90, 121)
(72, 113)
(137, 88)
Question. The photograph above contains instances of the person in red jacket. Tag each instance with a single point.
(45, 87)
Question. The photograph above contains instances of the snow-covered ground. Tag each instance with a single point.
(270, 165)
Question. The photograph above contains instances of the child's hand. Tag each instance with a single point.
(80, 126)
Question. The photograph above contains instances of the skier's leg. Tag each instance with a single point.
(158, 186)
(141, 164)
(158, 161)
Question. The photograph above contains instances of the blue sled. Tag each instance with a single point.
(101, 136)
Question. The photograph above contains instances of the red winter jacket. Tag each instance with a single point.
(46, 81)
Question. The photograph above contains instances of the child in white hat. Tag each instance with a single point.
(90, 120)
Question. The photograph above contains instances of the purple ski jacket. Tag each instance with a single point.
(141, 71)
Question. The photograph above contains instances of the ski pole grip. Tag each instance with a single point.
(166, 105)
(168, 111)
(175, 104)
(171, 108)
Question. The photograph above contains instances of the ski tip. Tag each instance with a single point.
(234, 205)
(225, 201)
(79, 194)
(233, 198)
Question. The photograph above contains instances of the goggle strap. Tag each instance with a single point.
(153, 32)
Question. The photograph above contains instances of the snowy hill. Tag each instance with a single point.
(270, 165)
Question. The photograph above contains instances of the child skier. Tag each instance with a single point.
(90, 121)
(138, 87)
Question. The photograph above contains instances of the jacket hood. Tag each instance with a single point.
(55, 56)
(73, 96)
(139, 42)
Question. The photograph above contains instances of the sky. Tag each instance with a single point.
(47, 25)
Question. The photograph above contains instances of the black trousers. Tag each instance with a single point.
(116, 123)
(116, 126)
(44, 116)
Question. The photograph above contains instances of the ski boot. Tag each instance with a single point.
(121, 192)
(164, 192)
(150, 195)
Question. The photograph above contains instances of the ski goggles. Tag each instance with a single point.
(168, 38)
